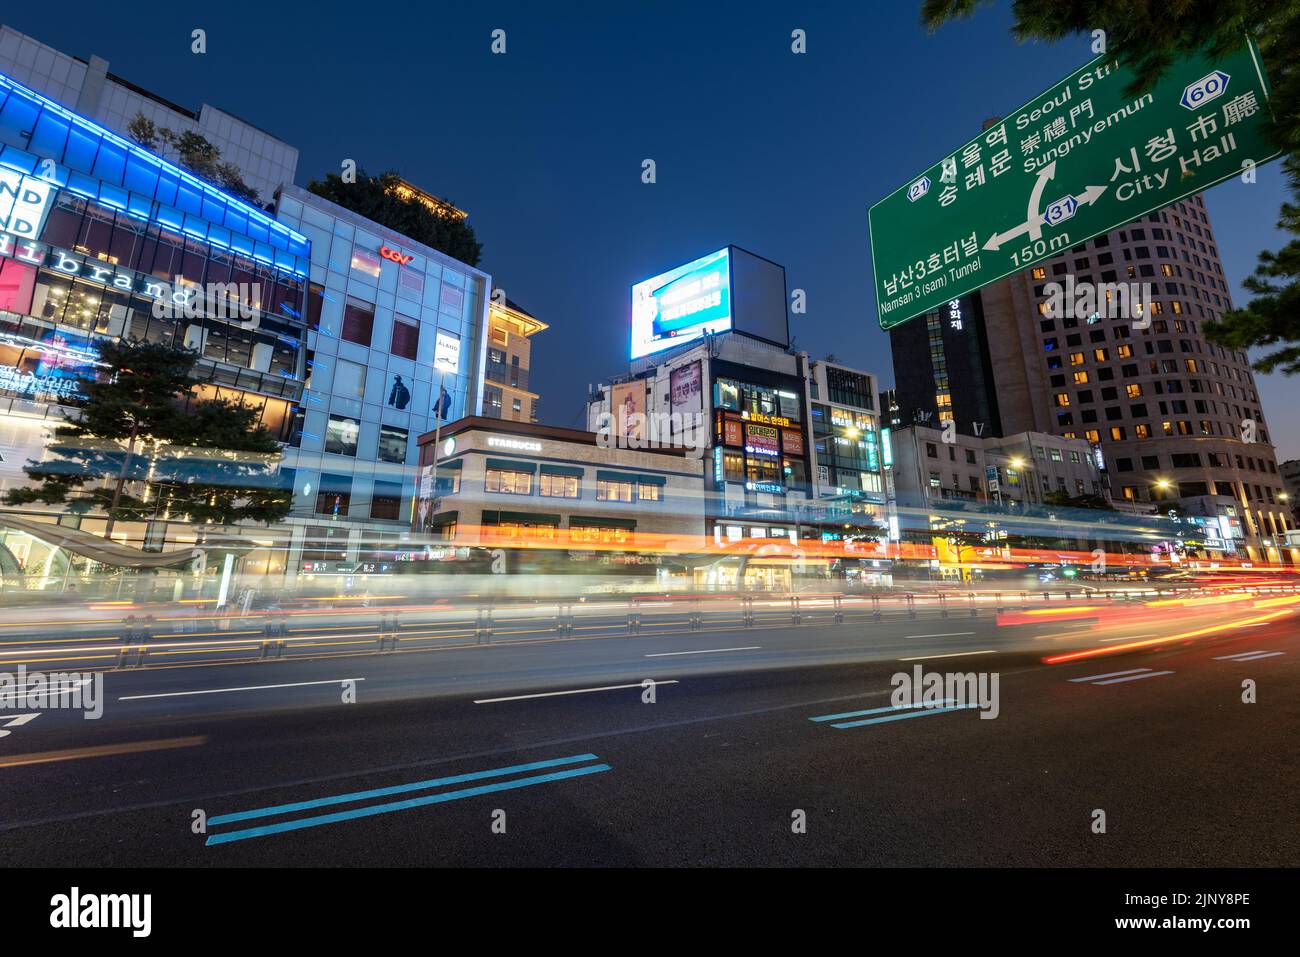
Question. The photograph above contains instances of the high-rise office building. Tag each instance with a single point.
(1177, 418)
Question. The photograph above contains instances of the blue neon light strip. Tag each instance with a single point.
(374, 809)
(88, 164)
(859, 714)
(396, 789)
(900, 717)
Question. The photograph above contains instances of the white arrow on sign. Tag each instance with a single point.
(1091, 195)
(1033, 218)
(1034, 224)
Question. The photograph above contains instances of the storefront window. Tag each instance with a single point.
(733, 467)
(599, 535)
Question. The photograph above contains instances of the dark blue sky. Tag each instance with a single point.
(778, 153)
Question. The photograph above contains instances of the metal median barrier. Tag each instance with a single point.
(168, 639)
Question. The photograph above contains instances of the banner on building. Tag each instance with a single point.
(686, 387)
(627, 409)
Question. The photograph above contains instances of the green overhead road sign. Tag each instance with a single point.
(1074, 162)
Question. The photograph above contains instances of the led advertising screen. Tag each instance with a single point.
(682, 304)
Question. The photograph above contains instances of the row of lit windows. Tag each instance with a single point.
(510, 482)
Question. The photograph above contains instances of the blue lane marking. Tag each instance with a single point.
(906, 714)
(395, 789)
(374, 809)
(859, 714)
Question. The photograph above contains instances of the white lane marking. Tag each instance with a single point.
(1149, 674)
(1112, 674)
(946, 634)
(955, 654)
(1240, 654)
(12, 696)
(552, 694)
(702, 651)
(182, 694)
(17, 721)
(1254, 656)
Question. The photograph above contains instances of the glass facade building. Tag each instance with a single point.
(349, 339)
(102, 240)
(395, 343)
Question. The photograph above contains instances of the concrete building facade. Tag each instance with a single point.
(87, 87)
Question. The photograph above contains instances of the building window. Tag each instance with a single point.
(325, 543)
(349, 379)
(392, 444)
(365, 262)
(406, 339)
(558, 486)
(386, 503)
(358, 321)
(506, 482)
(649, 493)
(315, 303)
(599, 535)
(612, 491)
(341, 435)
(334, 495)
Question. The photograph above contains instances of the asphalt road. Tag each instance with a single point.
(713, 772)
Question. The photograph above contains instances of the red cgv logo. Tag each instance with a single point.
(395, 256)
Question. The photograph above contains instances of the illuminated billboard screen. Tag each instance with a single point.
(682, 304)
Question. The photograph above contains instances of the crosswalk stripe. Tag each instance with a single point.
(1113, 674)
(1139, 677)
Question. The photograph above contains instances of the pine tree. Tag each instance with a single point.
(144, 451)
